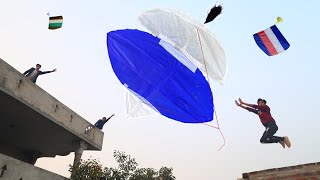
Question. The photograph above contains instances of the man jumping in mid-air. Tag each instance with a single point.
(268, 122)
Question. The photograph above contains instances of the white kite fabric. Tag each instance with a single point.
(138, 107)
(190, 37)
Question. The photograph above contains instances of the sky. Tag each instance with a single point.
(85, 82)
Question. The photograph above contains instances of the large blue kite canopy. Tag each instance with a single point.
(158, 77)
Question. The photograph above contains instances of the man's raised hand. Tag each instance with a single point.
(238, 104)
(240, 101)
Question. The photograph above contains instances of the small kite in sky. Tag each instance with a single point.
(271, 41)
(214, 12)
(55, 22)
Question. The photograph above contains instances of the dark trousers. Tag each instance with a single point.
(268, 135)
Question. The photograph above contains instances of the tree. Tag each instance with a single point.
(90, 169)
(127, 170)
(144, 174)
(166, 173)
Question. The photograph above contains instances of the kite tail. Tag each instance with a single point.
(215, 112)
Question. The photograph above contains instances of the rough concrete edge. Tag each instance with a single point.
(295, 167)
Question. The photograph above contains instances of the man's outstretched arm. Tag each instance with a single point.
(247, 108)
(247, 104)
(46, 72)
(109, 117)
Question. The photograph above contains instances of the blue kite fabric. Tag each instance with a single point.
(147, 68)
(271, 41)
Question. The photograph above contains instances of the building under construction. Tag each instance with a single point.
(33, 124)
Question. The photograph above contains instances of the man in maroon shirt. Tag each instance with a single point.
(268, 122)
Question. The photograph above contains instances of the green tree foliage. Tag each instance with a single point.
(144, 174)
(166, 173)
(90, 169)
(127, 169)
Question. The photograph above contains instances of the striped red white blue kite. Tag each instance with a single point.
(271, 41)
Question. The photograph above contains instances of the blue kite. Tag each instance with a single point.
(160, 76)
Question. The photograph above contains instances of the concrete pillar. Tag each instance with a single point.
(79, 148)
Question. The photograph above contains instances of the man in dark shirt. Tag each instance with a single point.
(267, 121)
(99, 124)
(33, 73)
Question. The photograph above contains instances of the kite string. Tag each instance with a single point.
(166, 109)
(224, 140)
(215, 112)
(210, 126)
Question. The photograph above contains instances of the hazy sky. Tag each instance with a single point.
(86, 83)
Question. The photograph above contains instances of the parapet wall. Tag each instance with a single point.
(300, 172)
